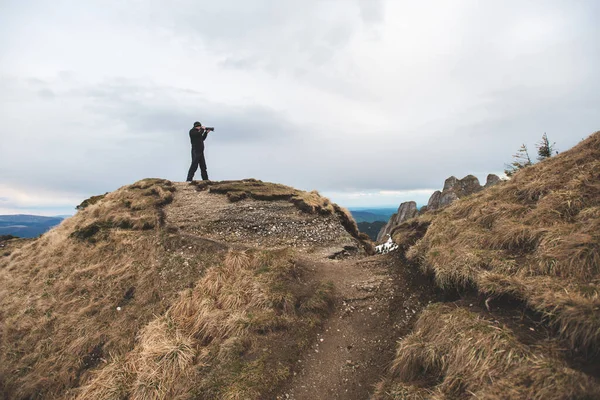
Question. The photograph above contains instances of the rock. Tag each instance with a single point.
(407, 210)
(466, 186)
(447, 198)
(434, 200)
(454, 189)
(491, 180)
(449, 183)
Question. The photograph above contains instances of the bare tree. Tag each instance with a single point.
(520, 160)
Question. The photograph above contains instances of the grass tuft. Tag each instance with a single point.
(454, 353)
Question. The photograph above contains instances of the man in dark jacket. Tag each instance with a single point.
(198, 135)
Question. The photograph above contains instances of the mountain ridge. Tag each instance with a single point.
(27, 225)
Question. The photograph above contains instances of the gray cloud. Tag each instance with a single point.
(339, 96)
(371, 10)
(136, 131)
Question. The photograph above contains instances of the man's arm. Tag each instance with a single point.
(204, 133)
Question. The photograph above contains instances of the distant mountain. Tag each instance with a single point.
(371, 228)
(372, 214)
(27, 226)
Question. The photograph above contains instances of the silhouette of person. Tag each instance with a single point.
(198, 135)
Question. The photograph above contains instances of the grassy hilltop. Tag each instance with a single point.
(125, 300)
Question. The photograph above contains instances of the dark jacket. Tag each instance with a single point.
(197, 137)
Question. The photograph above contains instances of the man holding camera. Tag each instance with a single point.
(198, 135)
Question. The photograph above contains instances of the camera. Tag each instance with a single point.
(209, 128)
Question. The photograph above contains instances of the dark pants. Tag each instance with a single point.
(197, 159)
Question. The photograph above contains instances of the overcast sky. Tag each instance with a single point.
(370, 102)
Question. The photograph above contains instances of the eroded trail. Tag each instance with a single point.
(356, 344)
(377, 303)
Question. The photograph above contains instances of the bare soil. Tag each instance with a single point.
(378, 300)
(259, 223)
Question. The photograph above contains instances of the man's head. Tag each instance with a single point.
(197, 125)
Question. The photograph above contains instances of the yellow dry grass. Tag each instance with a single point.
(535, 237)
(238, 307)
(59, 294)
(112, 305)
(456, 353)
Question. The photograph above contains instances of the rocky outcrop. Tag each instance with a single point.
(492, 180)
(434, 201)
(455, 189)
(407, 210)
(447, 198)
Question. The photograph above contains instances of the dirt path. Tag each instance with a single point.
(356, 345)
(377, 297)
(378, 300)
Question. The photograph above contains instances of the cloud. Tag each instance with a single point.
(371, 11)
(363, 99)
(43, 202)
(124, 130)
(381, 198)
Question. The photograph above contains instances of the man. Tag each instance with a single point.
(198, 135)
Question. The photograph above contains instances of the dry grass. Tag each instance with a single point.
(60, 293)
(113, 305)
(309, 202)
(535, 237)
(237, 311)
(131, 309)
(407, 233)
(91, 201)
(455, 353)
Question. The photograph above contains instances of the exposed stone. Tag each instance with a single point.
(434, 200)
(491, 180)
(467, 186)
(449, 183)
(447, 198)
(454, 189)
(407, 210)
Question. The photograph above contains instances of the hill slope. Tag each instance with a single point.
(373, 215)
(163, 290)
(525, 257)
(251, 290)
(371, 228)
